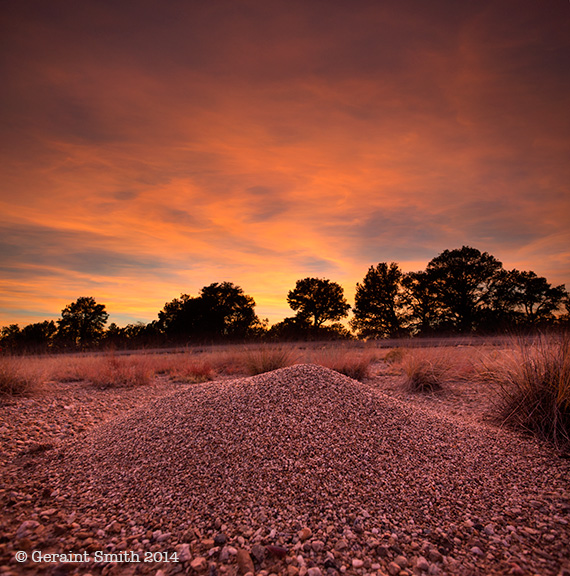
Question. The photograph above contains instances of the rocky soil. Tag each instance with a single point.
(301, 471)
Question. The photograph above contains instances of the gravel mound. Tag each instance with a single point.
(378, 486)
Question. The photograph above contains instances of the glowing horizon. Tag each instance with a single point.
(148, 155)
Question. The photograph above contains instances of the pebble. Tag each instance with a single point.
(317, 545)
(422, 564)
(357, 563)
(244, 561)
(199, 564)
(305, 534)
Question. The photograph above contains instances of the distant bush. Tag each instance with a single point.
(14, 380)
(534, 387)
(266, 359)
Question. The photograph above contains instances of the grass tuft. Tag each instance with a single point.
(351, 363)
(394, 356)
(426, 370)
(533, 385)
(267, 359)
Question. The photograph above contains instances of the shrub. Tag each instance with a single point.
(533, 386)
(266, 359)
(425, 370)
(15, 380)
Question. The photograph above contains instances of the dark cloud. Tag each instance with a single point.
(32, 249)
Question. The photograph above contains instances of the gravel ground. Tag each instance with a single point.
(301, 471)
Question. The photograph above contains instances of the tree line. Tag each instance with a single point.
(461, 291)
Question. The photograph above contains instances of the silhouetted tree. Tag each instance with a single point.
(230, 312)
(534, 297)
(38, 336)
(463, 281)
(220, 311)
(378, 303)
(10, 338)
(318, 300)
(82, 322)
(423, 313)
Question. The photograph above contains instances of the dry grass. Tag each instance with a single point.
(268, 358)
(429, 369)
(17, 378)
(121, 371)
(350, 362)
(533, 387)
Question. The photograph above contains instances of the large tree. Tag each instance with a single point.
(463, 281)
(378, 304)
(82, 322)
(221, 310)
(423, 313)
(318, 300)
(533, 297)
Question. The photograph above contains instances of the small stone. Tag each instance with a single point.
(393, 568)
(489, 530)
(292, 570)
(317, 545)
(305, 533)
(476, 551)
(401, 561)
(258, 552)
(277, 551)
(244, 562)
(435, 555)
(184, 553)
(341, 544)
(383, 551)
(516, 570)
(357, 563)
(199, 564)
(26, 527)
(422, 564)
(314, 571)
(220, 539)
(224, 554)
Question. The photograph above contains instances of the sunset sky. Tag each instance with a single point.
(152, 147)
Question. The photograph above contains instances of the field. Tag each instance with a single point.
(347, 458)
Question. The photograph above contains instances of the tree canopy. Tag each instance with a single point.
(462, 281)
(318, 300)
(378, 302)
(82, 322)
(221, 310)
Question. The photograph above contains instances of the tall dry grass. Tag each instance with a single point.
(430, 369)
(351, 362)
(533, 386)
(267, 358)
(17, 378)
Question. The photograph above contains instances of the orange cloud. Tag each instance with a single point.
(261, 143)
